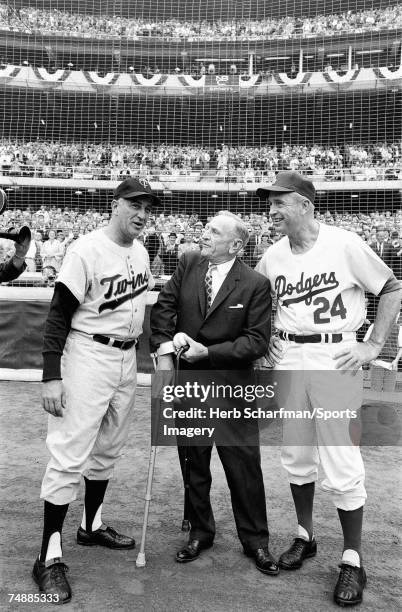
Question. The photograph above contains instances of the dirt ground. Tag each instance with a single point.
(222, 578)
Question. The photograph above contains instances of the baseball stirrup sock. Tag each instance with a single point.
(303, 497)
(94, 494)
(352, 524)
(52, 527)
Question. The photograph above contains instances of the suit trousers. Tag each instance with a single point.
(242, 465)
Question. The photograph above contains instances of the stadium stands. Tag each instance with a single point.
(63, 23)
(372, 161)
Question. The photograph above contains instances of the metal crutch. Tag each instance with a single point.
(141, 560)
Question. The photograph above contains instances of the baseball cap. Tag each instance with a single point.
(289, 181)
(133, 187)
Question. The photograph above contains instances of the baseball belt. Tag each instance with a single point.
(312, 338)
(121, 344)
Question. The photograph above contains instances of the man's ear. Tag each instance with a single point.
(236, 246)
(114, 205)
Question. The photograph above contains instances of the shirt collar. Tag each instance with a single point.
(223, 268)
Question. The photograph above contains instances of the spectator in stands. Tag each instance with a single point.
(188, 244)
(152, 243)
(49, 275)
(169, 254)
(260, 248)
(52, 252)
(382, 247)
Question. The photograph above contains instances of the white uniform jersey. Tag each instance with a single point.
(322, 290)
(110, 282)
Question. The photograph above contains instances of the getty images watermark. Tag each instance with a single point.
(267, 408)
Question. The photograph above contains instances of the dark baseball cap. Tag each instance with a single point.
(288, 181)
(132, 188)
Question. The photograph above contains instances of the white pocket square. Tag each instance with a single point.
(237, 306)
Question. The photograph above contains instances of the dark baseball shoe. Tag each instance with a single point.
(51, 579)
(350, 585)
(301, 549)
(104, 537)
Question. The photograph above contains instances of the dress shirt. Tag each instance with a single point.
(219, 273)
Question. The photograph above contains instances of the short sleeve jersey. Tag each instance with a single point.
(322, 290)
(110, 282)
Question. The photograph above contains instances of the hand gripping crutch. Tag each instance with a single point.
(141, 561)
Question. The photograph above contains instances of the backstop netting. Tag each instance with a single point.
(207, 101)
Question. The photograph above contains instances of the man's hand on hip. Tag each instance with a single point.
(275, 352)
(353, 357)
(54, 397)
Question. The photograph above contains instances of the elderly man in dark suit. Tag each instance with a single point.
(220, 309)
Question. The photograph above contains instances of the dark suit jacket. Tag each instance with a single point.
(237, 327)
(9, 272)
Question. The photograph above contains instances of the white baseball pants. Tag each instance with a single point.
(310, 441)
(100, 385)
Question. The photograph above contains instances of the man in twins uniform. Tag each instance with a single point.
(318, 276)
(89, 375)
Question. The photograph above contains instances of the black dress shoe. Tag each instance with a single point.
(51, 579)
(192, 551)
(301, 549)
(350, 585)
(264, 561)
(104, 537)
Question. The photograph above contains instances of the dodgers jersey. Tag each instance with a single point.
(322, 290)
(110, 282)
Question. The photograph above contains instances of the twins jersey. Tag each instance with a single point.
(322, 290)
(110, 282)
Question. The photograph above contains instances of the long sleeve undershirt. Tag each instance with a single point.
(58, 325)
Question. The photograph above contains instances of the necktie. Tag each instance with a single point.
(208, 285)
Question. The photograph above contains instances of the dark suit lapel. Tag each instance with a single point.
(226, 288)
(201, 271)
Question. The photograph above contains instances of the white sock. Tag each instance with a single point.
(303, 533)
(54, 546)
(351, 557)
(96, 523)
(84, 521)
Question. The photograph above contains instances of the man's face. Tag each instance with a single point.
(132, 215)
(219, 241)
(285, 211)
(381, 236)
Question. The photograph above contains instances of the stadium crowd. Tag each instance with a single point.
(374, 161)
(55, 21)
(168, 236)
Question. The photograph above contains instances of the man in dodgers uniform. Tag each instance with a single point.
(89, 375)
(318, 275)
